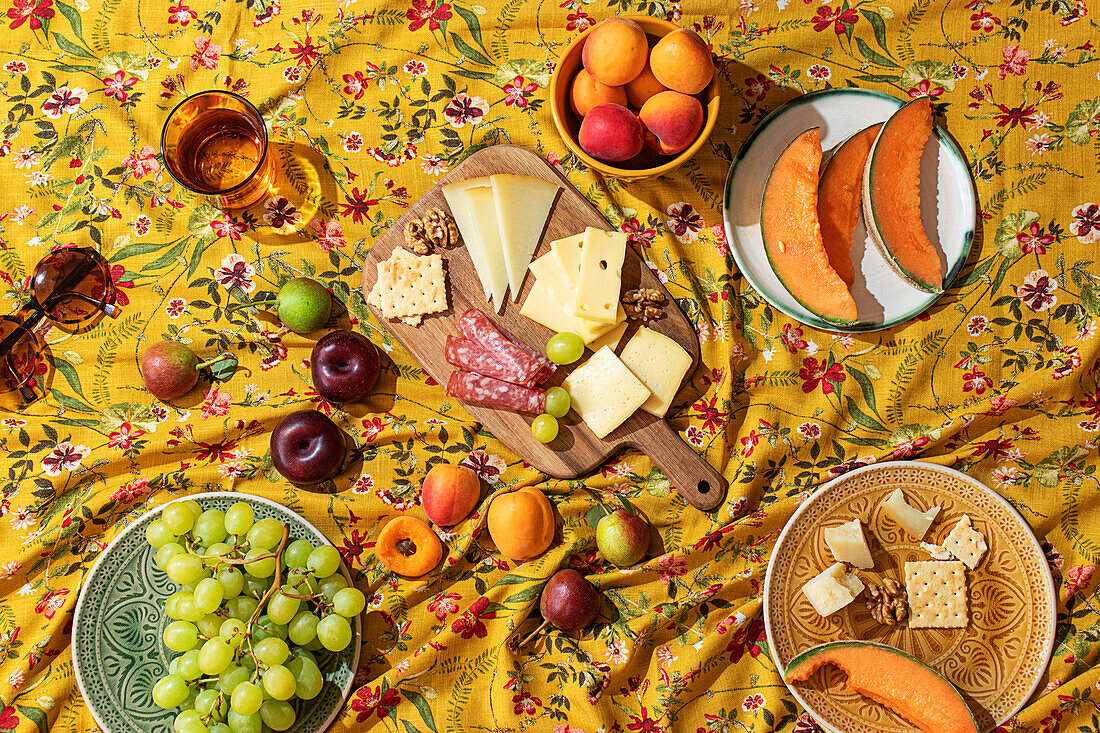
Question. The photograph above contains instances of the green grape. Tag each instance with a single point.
(265, 534)
(246, 698)
(277, 715)
(189, 703)
(170, 691)
(179, 636)
(233, 631)
(157, 535)
(544, 428)
(185, 719)
(241, 607)
(256, 587)
(303, 629)
(245, 723)
(323, 561)
(307, 676)
(209, 625)
(332, 584)
(215, 656)
(557, 402)
(259, 568)
(230, 677)
(303, 584)
(171, 604)
(296, 554)
(231, 580)
(210, 703)
(282, 609)
(564, 348)
(173, 666)
(265, 628)
(193, 727)
(334, 631)
(220, 728)
(193, 505)
(239, 518)
(187, 665)
(315, 645)
(187, 609)
(279, 682)
(210, 527)
(349, 602)
(208, 595)
(220, 549)
(185, 569)
(271, 651)
(177, 518)
(303, 653)
(166, 553)
(248, 662)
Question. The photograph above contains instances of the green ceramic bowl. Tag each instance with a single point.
(117, 651)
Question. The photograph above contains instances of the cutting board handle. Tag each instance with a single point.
(689, 472)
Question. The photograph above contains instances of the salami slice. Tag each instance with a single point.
(471, 356)
(522, 367)
(495, 393)
(548, 367)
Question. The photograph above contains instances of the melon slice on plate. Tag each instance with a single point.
(891, 196)
(792, 233)
(839, 198)
(891, 678)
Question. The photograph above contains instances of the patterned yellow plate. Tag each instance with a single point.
(997, 661)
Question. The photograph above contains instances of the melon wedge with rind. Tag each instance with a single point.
(840, 198)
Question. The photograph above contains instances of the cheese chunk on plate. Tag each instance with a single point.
(523, 205)
(602, 255)
(604, 392)
(832, 589)
(660, 363)
(545, 306)
(848, 544)
(914, 521)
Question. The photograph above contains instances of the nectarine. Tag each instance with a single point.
(682, 62)
(642, 87)
(675, 120)
(449, 494)
(610, 132)
(615, 51)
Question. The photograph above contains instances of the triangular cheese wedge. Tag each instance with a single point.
(458, 199)
(483, 206)
(523, 205)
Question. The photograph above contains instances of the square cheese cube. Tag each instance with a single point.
(660, 363)
(913, 520)
(833, 589)
(966, 543)
(848, 544)
(937, 594)
(601, 280)
(604, 392)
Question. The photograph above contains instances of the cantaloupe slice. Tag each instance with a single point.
(892, 678)
(792, 233)
(839, 198)
(891, 196)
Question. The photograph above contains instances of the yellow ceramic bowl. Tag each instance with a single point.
(568, 124)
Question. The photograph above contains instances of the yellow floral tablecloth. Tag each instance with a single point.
(370, 104)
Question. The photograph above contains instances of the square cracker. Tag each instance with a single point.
(937, 594)
(409, 286)
(966, 543)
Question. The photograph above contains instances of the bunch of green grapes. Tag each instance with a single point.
(253, 609)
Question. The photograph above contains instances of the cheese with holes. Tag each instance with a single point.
(611, 339)
(832, 589)
(601, 279)
(568, 254)
(523, 205)
(545, 306)
(458, 200)
(604, 392)
(848, 544)
(914, 521)
(660, 363)
(547, 271)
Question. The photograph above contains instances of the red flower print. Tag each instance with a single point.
(517, 91)
(792, 338)
(228, 226)
(423, 12)
(124, 437)
(806, 724)
(181, 14)
(1077, 578)
(443, 604)
(142, 162)
(997, 447)
(33, 10)
(925, 89)
(1015, 61)
(814, 372)
(1037, 291)
(131, 492)
(330, 234)
(685, 222)
(1034, 240)
(206, 54)
(117, 272)
(8, 719)
(1086, 223)
(637, 232)
(368, 702)
(464, 109)
(713, 418)
(51, 602)
(63, 100)
(353, 548)
(1010, 117)
(469, 625)
(748, 638)
(118, 85)
(840, 20)
(671, 566)
(909, 448)
(356, 84)
(578, 21)
(357, 205)
(525, 703)
(280, 212)
(644, 723)
(304, 52)
(983, 20)
(757, 86)
(976, 382)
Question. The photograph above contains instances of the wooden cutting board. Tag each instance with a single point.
(576, 450)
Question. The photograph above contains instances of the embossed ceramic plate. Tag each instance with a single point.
(119, 620)
(997, 661)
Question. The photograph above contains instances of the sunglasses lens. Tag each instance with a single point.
(20, 354)
(73, 285)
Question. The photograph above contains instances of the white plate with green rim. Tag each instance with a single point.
(883, 298)
(119, 621)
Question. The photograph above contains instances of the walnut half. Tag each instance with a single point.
(435, 228)
(644, 304)
(888, 603)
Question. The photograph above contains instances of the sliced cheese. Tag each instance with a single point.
(660, 363)
(547, 271)
(832, 589)
(604, 392)
(568, 254)
(545, 306)
(602, 255)
(523, 205)
(611, 339)
(485, 213)
(913, 520)
(458, 199)
(848, 544)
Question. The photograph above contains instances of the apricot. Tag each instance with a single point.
(585, 93)
(642, 87)
(682, 61)
(521, 523)
(674, 119)
(449, 494)
(615, 51)
(610, 132)
(408, 547)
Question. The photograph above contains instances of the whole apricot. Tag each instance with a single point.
(682, 62)
(521, 523)
(642, 87)
(449, 493)
(585, 93)
(615, 51)
(610, 132)
(674, 119)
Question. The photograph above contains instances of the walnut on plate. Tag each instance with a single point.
(435, 228)
(888, 603)
(644, 304)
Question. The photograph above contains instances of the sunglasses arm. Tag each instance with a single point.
(110, 309)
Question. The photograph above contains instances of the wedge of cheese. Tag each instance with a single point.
(848, 544)
(483, 203)
(601, 280)
(547, 271)
(523, 205)
(604, 392)
(660, 363)
(458, 200)
(545, 306)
